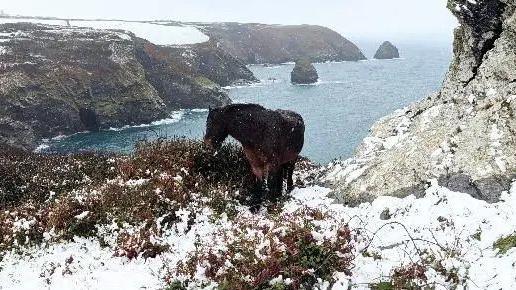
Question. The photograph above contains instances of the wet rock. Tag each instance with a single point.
(385, 215)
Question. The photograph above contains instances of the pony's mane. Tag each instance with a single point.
(240, 107)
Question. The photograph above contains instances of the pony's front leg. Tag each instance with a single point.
(257, 190)
(257, 193)
(275, 185)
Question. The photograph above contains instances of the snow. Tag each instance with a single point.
(155, 33)
(93, 267)
(443, 223)
(32, 20)
(82, 215)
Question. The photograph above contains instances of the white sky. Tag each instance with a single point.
(356, 19)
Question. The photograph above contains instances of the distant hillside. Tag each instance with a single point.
(61, 80)
(261, 43)
(251, 43)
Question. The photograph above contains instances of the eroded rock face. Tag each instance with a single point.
(274, 44)
(304, 72)
(61, 80)
(464, 136)
(387, 51)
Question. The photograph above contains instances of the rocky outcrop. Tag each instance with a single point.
(210, 60)
(464, 136)
(274, 44)
(304, 72)
(387, 51)
(61, 80)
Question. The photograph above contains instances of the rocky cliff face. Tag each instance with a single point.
(274, 44)
(387, 51)
(464, 136)
(60, 80)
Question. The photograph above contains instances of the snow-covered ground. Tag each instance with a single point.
(448, 229)
(32, 20)
(153, 32)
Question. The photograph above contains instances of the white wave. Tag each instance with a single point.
(42, 147)
(320, 82)
(60, 137)
(174, 118)
(262, 83)
(199, 110)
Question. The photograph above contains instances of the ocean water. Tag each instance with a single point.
(338, 111)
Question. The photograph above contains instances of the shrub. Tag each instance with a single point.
(409, 277)
(50, 193)
(31, 177)
(295, 255)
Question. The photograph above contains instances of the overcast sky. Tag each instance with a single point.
(356, 19)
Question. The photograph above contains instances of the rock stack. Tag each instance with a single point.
(304, 73)
(387, 51)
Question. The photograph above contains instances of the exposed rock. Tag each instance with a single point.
(274, 44)
(304, 73)
(213, 62)
(385, 215)
(464, 136)
(387, 51)
(61, 80)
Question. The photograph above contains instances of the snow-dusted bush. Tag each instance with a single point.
(62, 197)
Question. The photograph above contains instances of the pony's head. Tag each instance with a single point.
(216, 131)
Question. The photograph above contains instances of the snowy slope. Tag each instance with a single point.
(157, 34)
(452, 228)
(32, 20)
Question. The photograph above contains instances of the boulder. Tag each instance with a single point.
(304, 73)
(387, 51)
(463, 137)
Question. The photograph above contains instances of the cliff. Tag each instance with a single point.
(274, 44)
(464, 136)
(61, 80)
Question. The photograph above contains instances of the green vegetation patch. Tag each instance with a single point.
(505, 244)
(205, 82)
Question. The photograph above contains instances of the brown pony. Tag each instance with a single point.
(272, 141)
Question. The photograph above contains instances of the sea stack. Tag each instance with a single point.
(387, 51)
(304, 73)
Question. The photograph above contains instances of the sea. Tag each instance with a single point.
(338, 111)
